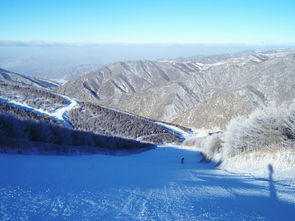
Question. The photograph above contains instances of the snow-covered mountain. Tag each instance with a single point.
(188, 92)
(38, 104)
(14, 78)
(78, 71)
(168, 182)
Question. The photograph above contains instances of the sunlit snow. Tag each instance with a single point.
(153, 185)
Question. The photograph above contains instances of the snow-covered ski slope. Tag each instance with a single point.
(59, 114)
(177, 131)
(148, 186)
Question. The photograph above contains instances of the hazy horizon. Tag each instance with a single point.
(53, 60)
(46, 38)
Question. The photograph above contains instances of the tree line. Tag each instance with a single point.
(13, 133)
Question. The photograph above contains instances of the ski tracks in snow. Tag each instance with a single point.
(149, 186)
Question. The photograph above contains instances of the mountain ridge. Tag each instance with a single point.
(175, 91)
(15, 78)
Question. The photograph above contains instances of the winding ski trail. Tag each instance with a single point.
(59, 114)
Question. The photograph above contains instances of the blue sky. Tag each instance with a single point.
(149, 21)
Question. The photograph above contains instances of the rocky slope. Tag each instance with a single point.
(188, 92)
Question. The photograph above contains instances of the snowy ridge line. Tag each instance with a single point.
(60, 114)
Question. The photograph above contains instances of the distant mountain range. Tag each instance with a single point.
(194, 92)
(199, 92)
(80, 70)
(32, 99)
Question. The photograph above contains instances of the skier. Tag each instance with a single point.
(182, 159)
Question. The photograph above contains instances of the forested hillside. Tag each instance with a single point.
(23, 136)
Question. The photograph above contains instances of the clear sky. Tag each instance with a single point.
(149, 21)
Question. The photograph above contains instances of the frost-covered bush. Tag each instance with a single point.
(209, 144)
(212, 145)
(260, 130)
(234, 137)
(289, 128)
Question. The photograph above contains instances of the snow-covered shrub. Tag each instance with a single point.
(197, 141)
(211, 146)
(233, 139)
(289, 128)
(194, 141)
(261, 129)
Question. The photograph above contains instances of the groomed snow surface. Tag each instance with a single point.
(153, 185)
